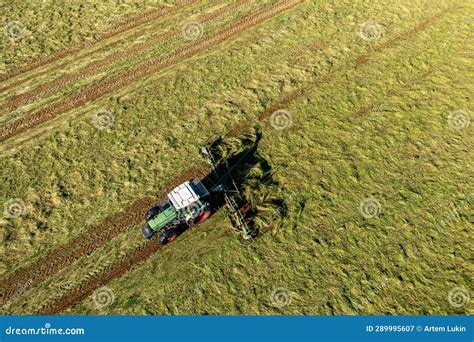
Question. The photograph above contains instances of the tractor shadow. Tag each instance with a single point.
(233, 171)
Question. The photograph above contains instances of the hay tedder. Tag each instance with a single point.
(192, 202)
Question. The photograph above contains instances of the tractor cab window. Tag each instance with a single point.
(199, 189)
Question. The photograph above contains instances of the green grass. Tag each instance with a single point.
(332, 260)
(45, 27)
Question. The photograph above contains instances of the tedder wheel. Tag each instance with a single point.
(202, 217)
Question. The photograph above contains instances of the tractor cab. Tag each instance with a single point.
(187, 204)
(187, 194)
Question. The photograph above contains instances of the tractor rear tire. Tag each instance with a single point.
(202, 217)
(166, 236)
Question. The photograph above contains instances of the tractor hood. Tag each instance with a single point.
(167, 215)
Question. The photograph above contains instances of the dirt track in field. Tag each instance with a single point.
(118, 269)
(120, 28)
(100, 65)
(100, 89)
(148, 249)
(97, 50)
(86, 242)
(358, 62)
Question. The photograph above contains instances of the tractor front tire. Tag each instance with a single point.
(148, 232)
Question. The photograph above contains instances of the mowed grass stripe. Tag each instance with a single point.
(84, 54)
(100, 65)
(122, 27)
(107, 86)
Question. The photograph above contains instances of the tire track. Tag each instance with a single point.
(98, 50)
(120, 28)
(360, 61)
(86, 242)
(149, 248)
(100, 65)
(141, 253)
(93, 92)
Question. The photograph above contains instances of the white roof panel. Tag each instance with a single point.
(183, 195)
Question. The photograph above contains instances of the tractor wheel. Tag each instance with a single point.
(151, 213)
(148, 232)
(166, 236)
(202, 217)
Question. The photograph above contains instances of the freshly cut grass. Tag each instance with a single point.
(13, 128)
(35, 30)
(376, 131)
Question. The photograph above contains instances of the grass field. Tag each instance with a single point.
(365, 110)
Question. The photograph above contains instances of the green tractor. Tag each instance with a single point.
(188, 204)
